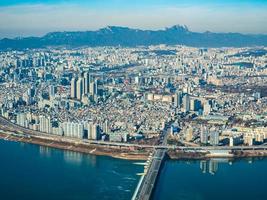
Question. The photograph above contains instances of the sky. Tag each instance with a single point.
(20, 18)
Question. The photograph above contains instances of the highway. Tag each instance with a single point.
(6, 125)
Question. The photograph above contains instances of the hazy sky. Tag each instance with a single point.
(37, 17)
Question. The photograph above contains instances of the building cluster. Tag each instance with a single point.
(124, 94)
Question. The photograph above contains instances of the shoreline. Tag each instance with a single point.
(81, 148)
(126, 153)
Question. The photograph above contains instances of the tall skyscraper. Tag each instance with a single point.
(93, 87)
(96, 87)
(79, 88)
(73, 88)
(86, 82)
(178, 99)
(186, 103)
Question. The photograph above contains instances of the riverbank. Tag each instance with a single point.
(128, 153)
(121, 153)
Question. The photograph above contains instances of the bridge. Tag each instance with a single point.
(148, 180)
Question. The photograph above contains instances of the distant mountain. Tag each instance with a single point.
(123, 36)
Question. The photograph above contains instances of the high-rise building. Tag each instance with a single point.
(71, 129)
(214, 137)
(203, 135)
(22, 120)
(96, 87)
(95, 132)
(93, 88)
(186, 103)
(86, 82)
(45, 124)
(73, 93)
(79, 88)
(31, 92)
(106, 127)
(79, 130)
(178, 99)
(195, 105)
(207, 108)
(89, 127)
(52, 91)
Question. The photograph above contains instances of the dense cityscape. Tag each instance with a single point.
(133, 100)
(205, 96)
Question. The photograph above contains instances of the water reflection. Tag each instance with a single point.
(73, 157)
(211, 166)
(230, 179)
(45, 151)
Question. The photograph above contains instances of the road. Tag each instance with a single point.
(6, 125)
(145, 189)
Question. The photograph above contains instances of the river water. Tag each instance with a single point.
(30, 172)
(217, 179)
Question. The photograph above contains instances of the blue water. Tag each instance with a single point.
(31, 172)
(240, 180)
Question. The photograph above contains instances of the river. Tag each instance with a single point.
(31, 172)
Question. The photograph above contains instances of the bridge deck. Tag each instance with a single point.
(144, 190)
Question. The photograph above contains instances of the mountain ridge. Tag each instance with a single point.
(129, 37)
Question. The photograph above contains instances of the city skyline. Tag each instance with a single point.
(37, 17)
(133, 99)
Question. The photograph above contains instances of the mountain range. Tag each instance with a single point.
(128, 37)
